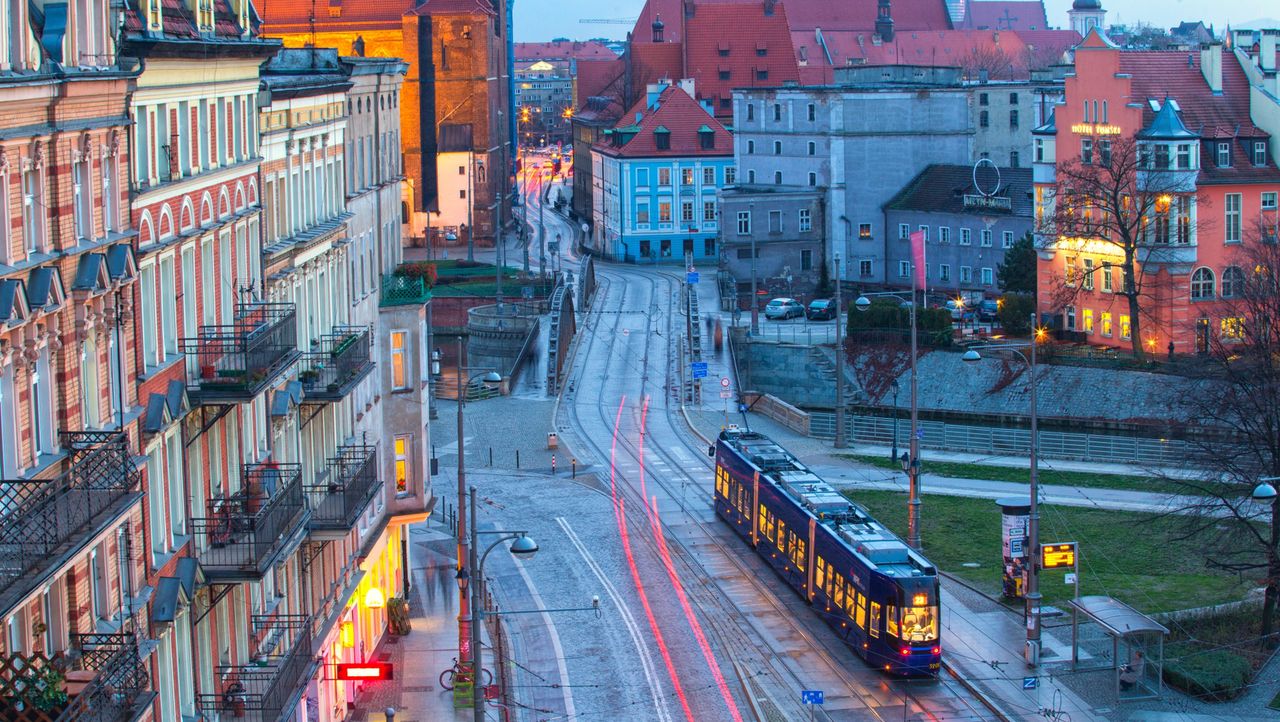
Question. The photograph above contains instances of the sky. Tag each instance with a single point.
(533, 23)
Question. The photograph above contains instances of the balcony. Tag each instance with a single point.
(404, 291)
(45, 523)
(351, 480)
(244, 535)
(337, 362)
(236, 362)
(268, 688)
(105, 681)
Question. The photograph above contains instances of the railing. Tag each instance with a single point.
(338, 362)
(352, 481)
(404, 291)
(267, 687)
(236, 361)
(119, 679)
(244, 532)
(44, 520)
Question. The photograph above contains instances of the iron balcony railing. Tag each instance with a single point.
(337, 363)
(266, 689)
(351, 481)
(243, 535)
(115, 679)
(235, 362)
(404, 291)
(46, 522)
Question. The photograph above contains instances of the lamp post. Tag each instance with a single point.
(1033, 521)
(463, 616)
(522, 546)
(1265, 493)
(894, 452)
(755, 314)
(910, 462)
(840, 441)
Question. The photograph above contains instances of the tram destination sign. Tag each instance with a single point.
(1056, 556)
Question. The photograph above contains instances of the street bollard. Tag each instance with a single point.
(574, 465)
(390, 712)
(490, 457)
(553, 464)
(517, 458)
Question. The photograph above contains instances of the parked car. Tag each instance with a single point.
(782, 308)
(822, 309)
(960, 311)
(988, 310)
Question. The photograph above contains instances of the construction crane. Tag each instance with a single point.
(609, 21)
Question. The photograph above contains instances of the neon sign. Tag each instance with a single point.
(1096, 129)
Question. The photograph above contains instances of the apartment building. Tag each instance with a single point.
(71, 505)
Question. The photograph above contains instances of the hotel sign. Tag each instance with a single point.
(1096, 129)
(996, 203)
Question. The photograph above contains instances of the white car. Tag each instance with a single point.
(784, 308)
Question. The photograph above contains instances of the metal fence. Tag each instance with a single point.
(801, 333)
(1077, 446)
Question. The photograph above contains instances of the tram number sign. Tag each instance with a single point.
(810, 696)
(1055, 556)
(1030, 682)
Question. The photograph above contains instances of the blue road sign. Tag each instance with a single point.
(810, 696)
(1030, 682)
(699, 369)
(691, 277)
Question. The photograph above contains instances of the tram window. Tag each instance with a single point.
(850, 598)
(891, 620)
(762, 520)
(862, 611)
(722, 482)
(743, 505)
(798, 554)
(839, 595)
(820, 573)
(920, 624)
(782, 536)
(831, 585)
(874, 629)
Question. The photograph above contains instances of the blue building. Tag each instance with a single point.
(655, 177)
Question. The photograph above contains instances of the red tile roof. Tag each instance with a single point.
(453, 7)
(682, 117)
(295, 15)
(758, 44)
(601, 77)
(1004, 15)
(651, 62)
(564, 50)
(178, 22)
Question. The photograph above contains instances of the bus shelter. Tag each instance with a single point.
(1115, 636)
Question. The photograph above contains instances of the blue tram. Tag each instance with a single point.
(879, 595)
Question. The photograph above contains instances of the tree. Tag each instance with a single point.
(1017, 273)
(1015, 313)
(1236, 405)
(1122, 197)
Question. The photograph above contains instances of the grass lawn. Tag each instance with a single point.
(1123, 554)
(959, 470)
(1275, 702)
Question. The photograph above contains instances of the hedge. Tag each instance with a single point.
(1217, 674)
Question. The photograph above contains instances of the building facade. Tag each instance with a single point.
(1189, 116)
(544, 101)
(658, 173)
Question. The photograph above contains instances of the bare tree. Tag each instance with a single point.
(1129, 197)
(991, 60)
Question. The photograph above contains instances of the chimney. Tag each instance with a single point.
(686, 84)
(884, 21)
(1267, 49)
(653, 91)
(1211, 66)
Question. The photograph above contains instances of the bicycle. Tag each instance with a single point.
(459, 673)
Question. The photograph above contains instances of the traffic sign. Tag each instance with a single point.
(699, 369)
(724, 381)
(810, 696)
(691, 277)
(1030, 682)
(726, 394)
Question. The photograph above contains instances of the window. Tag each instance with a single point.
(1015, 159)
(82, 199)
(1106, 277)
(1259, 152)
(1088, 320)
(709, 211)
(642, 214)
(402, 444)
(1233, 218)
(399, 365)
(966, 274)
(744, 223)
(1269, 201)
(864, 231)
(984, 238)
(1232, 328)
(775, 221)
(924, 231)
(1039, 153)
(777, 177)
(762, 75)
(904, 231)
(686, 211)
(664, 211)
(984, 99)
(686, 176)
(1006, 240)
(1086, 151)
(865, 267)
(944, 271)
(1184, 156)
(1162, 157)
(32, 213)
(730, 175)
(724, 74)
(707, 139)
(664, 176)
(98, 584)
(1224, 155)
(1106, 324)
(662, 138)
(806, 221)
(1013, 119)
(1125, 332)
(984, 119)
(642, 177)
(988, 277)
(147, 291)
(751, 111)
(168, 307)
(751, 175)
(1088, 274)
(966, 237)
(944, 234)
(813, 148)
(156, 502)
(709, 176)
(813, 112)
(777, 107)
(1232, 282)
(777, 147)
(709, 247)
(904, 269)
(806, 260)
(1202, 285)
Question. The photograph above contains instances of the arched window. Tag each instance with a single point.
(1232, 282)
(1202, 285)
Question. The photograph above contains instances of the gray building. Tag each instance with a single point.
(967, 226)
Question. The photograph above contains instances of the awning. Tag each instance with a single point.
(1120, 619)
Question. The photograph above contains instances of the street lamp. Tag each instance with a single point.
(894, 452)
(755, 313)
(488, 376)
(840, 440)
(1265, 493)
(522, 547)
(911, 461)
(1033, 522)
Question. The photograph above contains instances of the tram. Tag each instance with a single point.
(879, 596)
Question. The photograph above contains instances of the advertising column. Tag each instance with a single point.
(1014, 514)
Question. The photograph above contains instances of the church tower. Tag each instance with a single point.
(1086, 15)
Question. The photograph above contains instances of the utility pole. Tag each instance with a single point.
(840, 441)
(471, 204)
(464, 613)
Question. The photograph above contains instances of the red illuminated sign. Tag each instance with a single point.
(365, 672)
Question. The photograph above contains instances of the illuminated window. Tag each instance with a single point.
(1233, 328)
(864, 231)
(402, 463)
(399, 372)
(1088, 320)
(1125, 332)
(1106, 324)
(874, 628)
(920, 622)
(891, 620)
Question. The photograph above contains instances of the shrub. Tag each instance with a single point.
(888, 314)
(1015, 313)
(418, 269)
(1217, 674)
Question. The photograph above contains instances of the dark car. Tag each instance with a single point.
(821, 309)
(988, 310)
